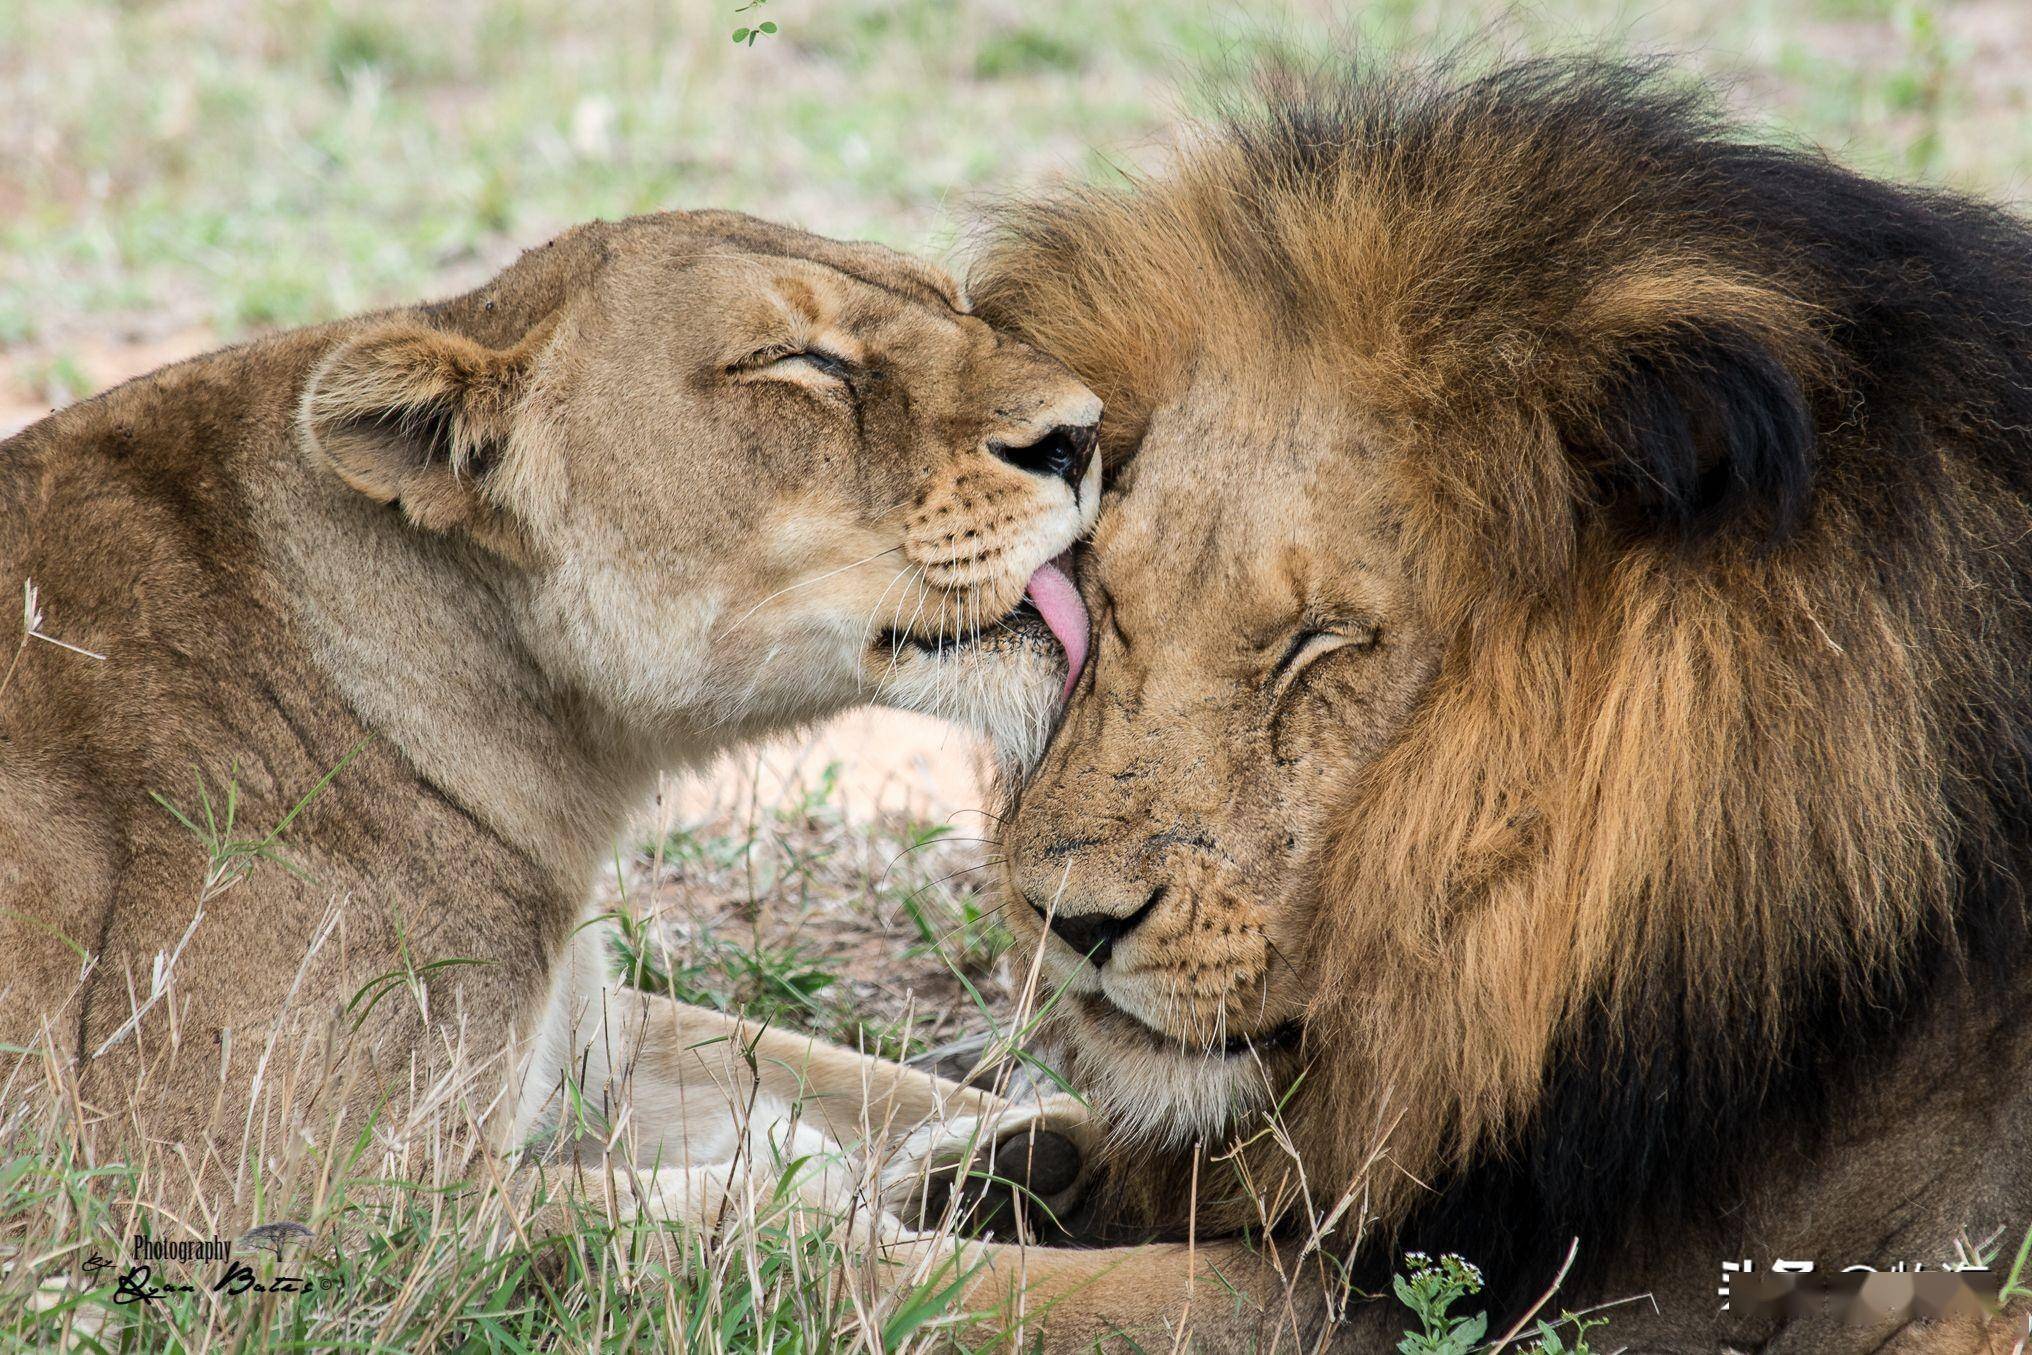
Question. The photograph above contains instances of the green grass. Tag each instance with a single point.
(438, 1264)
(875, 932)
(446, 1252)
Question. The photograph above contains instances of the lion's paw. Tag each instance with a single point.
(1017, 1170)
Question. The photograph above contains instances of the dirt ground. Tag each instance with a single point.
(857, 856)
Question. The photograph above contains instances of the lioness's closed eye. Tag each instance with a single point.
(662, 485)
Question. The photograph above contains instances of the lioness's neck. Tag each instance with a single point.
(416, 634)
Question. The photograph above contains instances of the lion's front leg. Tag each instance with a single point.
(720, 1125)
(1011, 1170)
(662, 1085)
(1220, 1297)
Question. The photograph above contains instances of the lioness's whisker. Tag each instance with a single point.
(933, 842)
(806, 583)
(868, 631)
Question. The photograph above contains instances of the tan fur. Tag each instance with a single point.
(489, 564)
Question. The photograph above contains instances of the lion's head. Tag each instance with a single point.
(1560, 627)
(740, 476)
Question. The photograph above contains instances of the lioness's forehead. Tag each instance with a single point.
(912, 280)
(731, 303)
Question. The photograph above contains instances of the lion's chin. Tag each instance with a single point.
(1159, 1093)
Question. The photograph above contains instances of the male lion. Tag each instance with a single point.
(472, 573)
(1557, 757)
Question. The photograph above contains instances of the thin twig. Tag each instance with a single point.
(1572, 1249)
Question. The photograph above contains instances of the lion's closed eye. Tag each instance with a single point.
(1308, 646)
(818, 359)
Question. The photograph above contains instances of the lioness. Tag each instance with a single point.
(473, 572)
(1556, 762)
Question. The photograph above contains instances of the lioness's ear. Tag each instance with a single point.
(1700, 419)
(420, 418)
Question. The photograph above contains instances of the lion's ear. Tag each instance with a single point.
(422, 419)
(1700, 425)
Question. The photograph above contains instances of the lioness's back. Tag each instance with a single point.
(136, 509)
(105, 505)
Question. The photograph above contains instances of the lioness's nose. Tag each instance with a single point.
(1062, 453)
(1094, 934)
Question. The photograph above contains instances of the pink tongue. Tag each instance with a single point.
(1058, 602)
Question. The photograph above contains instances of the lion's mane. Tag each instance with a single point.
(1715, 461)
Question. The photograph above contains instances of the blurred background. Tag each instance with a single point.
(175, 174)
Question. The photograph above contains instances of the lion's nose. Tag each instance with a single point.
(1094, 934)
(1062, 453)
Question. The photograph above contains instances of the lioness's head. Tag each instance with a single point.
(1545, 629)
(736, 476)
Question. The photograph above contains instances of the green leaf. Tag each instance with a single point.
(740, 35)
(2014, 1283)
(767, 26)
